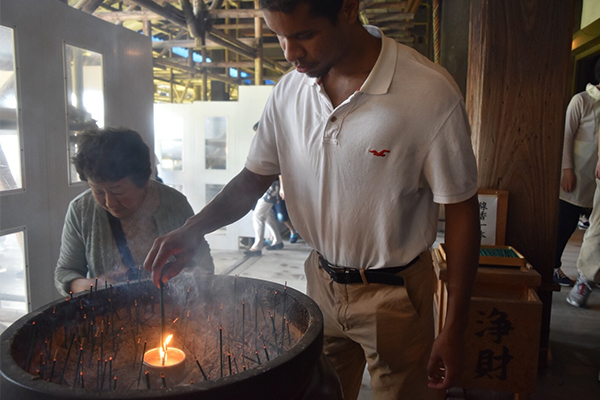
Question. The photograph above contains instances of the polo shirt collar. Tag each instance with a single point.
(380, 77)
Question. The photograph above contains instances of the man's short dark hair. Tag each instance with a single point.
(111, 154)
(597, 71)
(319, 8)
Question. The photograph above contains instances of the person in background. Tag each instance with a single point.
(282, 214)
(588, 262)
(370, 137)
(262, 215)
(110, 227)
(578, 162)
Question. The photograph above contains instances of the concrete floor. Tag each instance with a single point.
(574, 340)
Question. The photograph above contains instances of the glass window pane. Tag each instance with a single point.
(85, 96)
(10, 143)
(170, 155)
(168, 141)
(13, 288)
(216, 142)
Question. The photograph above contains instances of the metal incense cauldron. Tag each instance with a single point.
(242, 338)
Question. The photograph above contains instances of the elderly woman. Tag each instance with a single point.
(110, 228)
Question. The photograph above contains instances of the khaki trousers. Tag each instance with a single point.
(390, 328)
(589, 255)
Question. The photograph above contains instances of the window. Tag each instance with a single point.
(168, 141)
(10, 143)
(170, 154)
(13, 289)
(215, 131)
(85, 96)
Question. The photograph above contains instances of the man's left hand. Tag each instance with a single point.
(446, 360)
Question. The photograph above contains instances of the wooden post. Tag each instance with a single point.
(258, 61)
(517, 93)
(147, 28)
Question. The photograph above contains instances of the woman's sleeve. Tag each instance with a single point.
(572, 121)
(72, 263)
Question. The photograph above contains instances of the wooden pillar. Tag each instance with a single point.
(258, 61)
(517, 93)
(147, 28)
(204, 96)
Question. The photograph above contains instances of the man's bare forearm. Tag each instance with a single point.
(232, 203)
(462, 239)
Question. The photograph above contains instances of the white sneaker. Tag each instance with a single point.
(579, 294)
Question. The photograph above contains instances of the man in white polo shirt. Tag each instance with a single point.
(370, 137)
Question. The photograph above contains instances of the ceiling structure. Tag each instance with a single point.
(229, 41)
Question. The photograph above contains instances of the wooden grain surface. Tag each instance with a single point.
(517, 92)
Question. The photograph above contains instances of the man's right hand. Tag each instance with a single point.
(569, 180)
(171, 253)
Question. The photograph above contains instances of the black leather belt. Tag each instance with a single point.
(345, 275)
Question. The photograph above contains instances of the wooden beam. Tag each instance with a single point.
(144, 15)
(168, 14)
(195, 27)
(383, 16)
(238, 26)
(216, 36)
(80, 4)
(88, 6)
(192, 70)
(396, 24)
(191, 44)
(224, 64)
(168, 81)
(392, 5)
(413, 6)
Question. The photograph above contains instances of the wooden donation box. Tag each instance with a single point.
(502, 337)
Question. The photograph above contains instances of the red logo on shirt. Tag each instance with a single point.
(379, 153)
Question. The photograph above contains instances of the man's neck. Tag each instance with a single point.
(363, 52)
(351, 71)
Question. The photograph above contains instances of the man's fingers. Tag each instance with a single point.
(158, 255)
(170, 269)
(439, 377)
(150, 258)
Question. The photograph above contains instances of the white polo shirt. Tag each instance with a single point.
(362, 180)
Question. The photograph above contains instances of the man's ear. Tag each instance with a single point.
(349, 11)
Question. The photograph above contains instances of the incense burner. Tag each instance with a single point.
(241, 338)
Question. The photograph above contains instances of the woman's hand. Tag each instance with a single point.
(81, 284)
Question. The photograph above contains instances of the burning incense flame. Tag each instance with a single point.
(163, 349)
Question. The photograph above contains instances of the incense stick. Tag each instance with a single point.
(162, 315)
(141, 365)
(201, 370)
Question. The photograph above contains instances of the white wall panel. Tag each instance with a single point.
(41, 29)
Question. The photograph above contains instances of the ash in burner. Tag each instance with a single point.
(225, 326)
